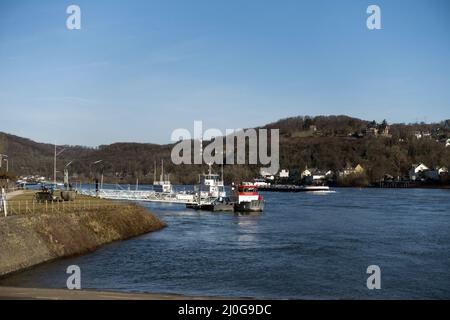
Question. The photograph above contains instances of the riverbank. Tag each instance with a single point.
(41, 236)
(14, 293)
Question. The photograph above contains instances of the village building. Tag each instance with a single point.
(315, 175)
(284, 173)
(436, 173)
(374, 129)
(306, 173)
(358, 169)
(417, 171)
(266, 174)
(446, 125)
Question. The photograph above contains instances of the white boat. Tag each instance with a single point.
(211, 185)
(163, 185)
(210, 193)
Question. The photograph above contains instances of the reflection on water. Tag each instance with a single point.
(303, 246)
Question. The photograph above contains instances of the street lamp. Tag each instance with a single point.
(54, 164)
(90, 170)
(66, 175)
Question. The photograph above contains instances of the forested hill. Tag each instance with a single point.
(323, 142)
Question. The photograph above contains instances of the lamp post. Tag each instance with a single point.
(90, 170)
(66, 175)
(54, 164)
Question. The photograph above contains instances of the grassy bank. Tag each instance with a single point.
(43, 232)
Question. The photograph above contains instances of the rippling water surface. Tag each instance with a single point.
(303, 246)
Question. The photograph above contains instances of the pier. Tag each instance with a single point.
(140, 195)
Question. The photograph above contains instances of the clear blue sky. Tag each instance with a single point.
(139, 69)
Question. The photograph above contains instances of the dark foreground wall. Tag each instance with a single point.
(27, 240)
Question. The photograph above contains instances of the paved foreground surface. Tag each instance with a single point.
(13, 293)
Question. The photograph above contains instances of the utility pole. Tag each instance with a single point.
(54, 168)
(54, 164)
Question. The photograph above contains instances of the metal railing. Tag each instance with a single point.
(22, 207)
(144, 196)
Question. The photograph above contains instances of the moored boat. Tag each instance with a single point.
(294, 188)
(210, 194)
(248, 198)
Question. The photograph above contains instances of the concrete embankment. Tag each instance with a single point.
(30, 239)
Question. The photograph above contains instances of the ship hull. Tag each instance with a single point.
(251, 206)
(218, 207)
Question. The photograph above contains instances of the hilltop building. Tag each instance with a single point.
(375, 129)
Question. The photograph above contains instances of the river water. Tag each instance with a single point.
(311, 246)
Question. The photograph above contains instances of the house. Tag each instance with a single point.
(417, 171)
(436, 173)
(447, 124)
(265, 174)
(310, 176)
(306, 173)
(383, 129)
(426, 134)
(284, 173)
(374, 129)
(422, 134)
(447, 143)
(358, 169)
(372, 132)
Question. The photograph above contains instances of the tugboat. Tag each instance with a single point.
(248, 198)
(211, 195)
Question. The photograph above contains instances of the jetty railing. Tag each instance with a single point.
(23, 207)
